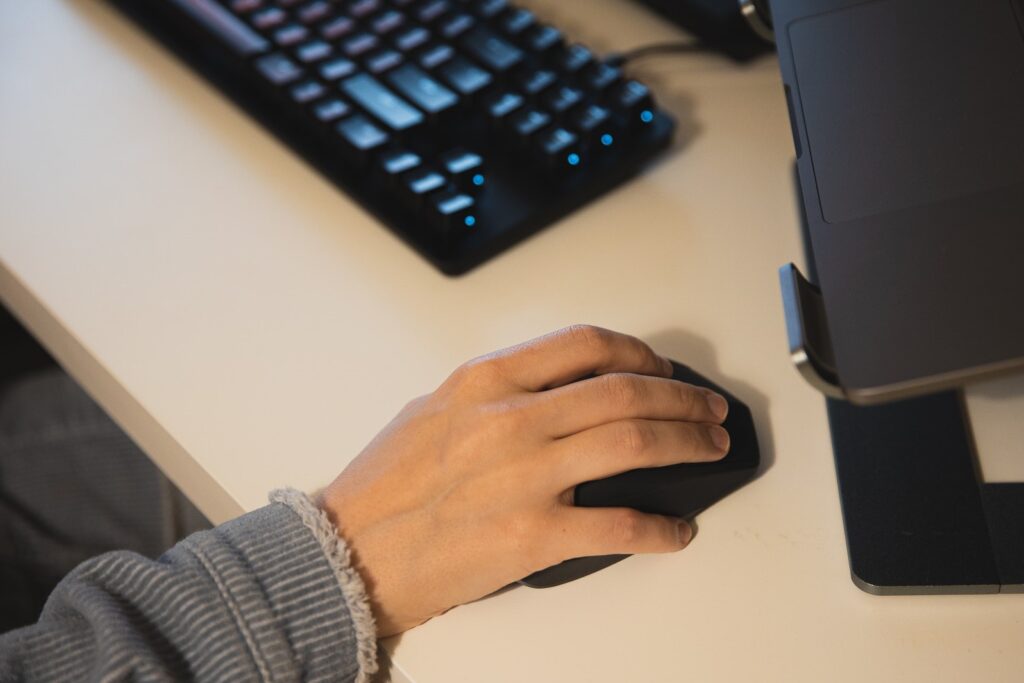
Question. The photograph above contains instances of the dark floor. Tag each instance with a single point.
(72, 485)
(19, 352)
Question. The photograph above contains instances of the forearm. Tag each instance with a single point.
(268, 596)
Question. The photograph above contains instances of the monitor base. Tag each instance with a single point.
(918, 518)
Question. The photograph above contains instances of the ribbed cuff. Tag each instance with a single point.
(338, 557)
(295, 599)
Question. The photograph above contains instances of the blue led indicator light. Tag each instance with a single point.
(478, 179)
(573, 159)
(470, 221)
(646, 116)
(607, 140)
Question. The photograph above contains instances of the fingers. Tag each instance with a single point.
(625, 445)
(616, 531)
(573, 352)
(610, 398)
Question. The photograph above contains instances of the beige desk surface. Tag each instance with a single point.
(251, 327)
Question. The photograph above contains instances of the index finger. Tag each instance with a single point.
(574, 352)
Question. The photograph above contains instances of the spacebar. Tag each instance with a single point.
(222, 23)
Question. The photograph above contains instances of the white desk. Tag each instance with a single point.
(251, 327)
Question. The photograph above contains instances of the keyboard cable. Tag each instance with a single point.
(655, 49)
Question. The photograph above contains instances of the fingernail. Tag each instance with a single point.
(717, 405)
(685, 533)
(669, 369)
(719, 437)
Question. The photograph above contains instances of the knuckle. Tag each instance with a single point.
(479, 371)
(591, 337)
(689, 396)
(460, 375)
(623, 390)
(628, 527)
(511, 414)
(695, 438)
(635, 437)
(416, 404)
(691, 442)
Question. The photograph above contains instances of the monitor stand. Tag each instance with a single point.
(918, 517)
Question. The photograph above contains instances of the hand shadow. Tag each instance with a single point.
(696, 352)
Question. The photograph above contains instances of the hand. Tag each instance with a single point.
(470, 488)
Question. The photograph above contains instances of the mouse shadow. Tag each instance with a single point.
(698, 353)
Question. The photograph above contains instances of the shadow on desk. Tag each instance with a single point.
(697, 353)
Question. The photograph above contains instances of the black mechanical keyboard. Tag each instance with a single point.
(463, 125)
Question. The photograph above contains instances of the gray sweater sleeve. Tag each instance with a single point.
(269, 596)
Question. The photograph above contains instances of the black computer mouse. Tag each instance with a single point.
(677, 490)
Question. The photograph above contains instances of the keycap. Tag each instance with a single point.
(561, 99)
(501, 105)
(601, 76)
(454, 25)
(488, 9)
(307, 91)
(516, 21)
(314, 12)
(225, 26)
(243, 6)
(278, 69)
(363, 8)
(464, 76)
(361, 136)
(465, 168)
(386, 22)
(263, 19)
(573, 59)
(536, 81)
(412, 38)
(424, 91)
(542, 39)
(421, 183)
(382, 61)
(633, 100)
(313, 51)
(397, 162)
(331, 110)
(590, 117)
(528, 121)
(336, 68)
(389, 108)
(290, 34)
(595, 126)
(337, 27)
(431, 10)
(494, 52)
(558, 147)
(359, 44)
(452, 212)
(435, 55)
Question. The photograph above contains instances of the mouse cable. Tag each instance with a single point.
(654, 49)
